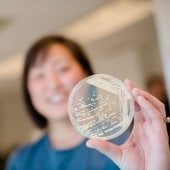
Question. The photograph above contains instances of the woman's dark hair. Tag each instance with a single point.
(31, 58)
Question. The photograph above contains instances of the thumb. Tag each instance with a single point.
(109, 149)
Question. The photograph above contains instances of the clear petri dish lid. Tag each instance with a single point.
(100, 106)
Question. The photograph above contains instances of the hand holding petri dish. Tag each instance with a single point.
(100, 106)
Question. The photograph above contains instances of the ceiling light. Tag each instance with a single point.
(108, 19)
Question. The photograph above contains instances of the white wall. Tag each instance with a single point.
(162, 14)
(121, 63)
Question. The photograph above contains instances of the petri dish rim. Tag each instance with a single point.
(77, 86)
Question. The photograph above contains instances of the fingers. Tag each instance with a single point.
(159, 106)
(130, 84)
(147, 102)
(110, 150)
(150, 112)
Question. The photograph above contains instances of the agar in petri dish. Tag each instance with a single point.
(100, 106)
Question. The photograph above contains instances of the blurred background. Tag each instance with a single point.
(124, 38)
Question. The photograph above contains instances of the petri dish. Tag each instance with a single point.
(100, 106)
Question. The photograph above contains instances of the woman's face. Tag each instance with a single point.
(51, 80)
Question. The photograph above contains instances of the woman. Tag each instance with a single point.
(53, 66)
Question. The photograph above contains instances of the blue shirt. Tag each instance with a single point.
(41, 156)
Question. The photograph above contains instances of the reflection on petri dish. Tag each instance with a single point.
(100, 106)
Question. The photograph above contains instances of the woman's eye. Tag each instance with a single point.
(37, 75)
(63, 69)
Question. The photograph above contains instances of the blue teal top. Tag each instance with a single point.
(41, 156)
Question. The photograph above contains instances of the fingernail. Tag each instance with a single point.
(88, 145)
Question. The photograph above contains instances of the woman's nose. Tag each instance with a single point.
(53, 81)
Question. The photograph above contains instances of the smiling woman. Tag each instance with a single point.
(49, 67)
(51, 79)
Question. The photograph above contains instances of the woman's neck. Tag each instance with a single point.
(62, 135)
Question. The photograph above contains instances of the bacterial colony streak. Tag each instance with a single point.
(97, 117)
